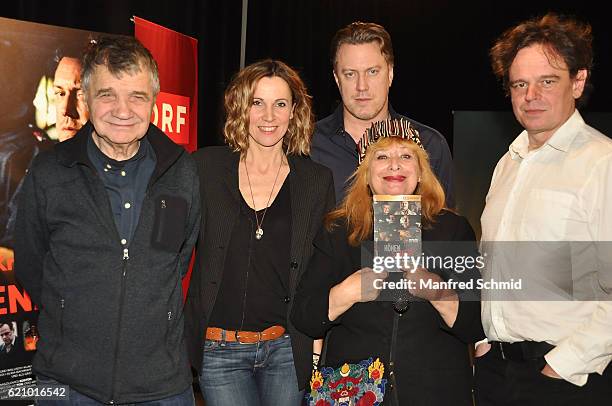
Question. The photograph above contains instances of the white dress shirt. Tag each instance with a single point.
(561, 191)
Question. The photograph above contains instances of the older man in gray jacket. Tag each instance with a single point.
(105, 229)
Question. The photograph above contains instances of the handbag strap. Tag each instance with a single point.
(393, 388)
(323, 356)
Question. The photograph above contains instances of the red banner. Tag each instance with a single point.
(171, 115)
(176, 108)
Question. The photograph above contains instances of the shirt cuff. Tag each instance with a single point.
(483, 341)
(567, 364)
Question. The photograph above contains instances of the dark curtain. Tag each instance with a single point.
(441, 47)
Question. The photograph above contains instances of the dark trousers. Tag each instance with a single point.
(74, 398)
(500, 382)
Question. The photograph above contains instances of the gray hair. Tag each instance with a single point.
(119, 54)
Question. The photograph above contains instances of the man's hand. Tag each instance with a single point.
(549, 372)
(482, 349)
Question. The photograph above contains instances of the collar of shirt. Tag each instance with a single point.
(103, 163)
(338, 121)
(560, 140)
(8, 346)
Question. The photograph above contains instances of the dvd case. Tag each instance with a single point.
(397, 242)
(397, 225)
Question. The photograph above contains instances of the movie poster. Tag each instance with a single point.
(42, 104)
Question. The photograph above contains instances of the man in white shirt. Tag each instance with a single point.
(554, 184)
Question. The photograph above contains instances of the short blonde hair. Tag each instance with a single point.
(239, 99)
(356, 208)
(358, 33)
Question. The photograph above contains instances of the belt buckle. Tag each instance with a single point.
(237, 333)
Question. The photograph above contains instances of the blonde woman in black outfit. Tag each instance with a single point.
(262, 201)
(430, 356)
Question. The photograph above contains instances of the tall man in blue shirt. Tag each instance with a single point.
(362, 59)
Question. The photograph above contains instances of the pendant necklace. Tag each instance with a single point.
(259, 231)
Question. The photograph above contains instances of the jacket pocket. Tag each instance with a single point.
(169, 223)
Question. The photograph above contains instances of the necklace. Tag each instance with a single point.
(259, 231)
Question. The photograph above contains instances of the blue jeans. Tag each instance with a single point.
(78, 399)
(260, 374)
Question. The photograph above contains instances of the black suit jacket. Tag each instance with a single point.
(16, 357)
(312, 196)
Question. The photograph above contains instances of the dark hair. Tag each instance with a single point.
(10, 325)
(560, 36)
(239, 99)
(362, 33)
(69, 51)
(119, 55)
(74, 52)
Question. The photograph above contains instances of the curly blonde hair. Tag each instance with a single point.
(356, 208)
(239, 99)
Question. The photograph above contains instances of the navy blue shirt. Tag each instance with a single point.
(333, 147)
(126, 184)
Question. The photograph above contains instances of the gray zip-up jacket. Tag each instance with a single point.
(111, 318)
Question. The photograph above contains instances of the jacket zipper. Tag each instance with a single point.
(126, 257)
(61, 332)
(169, 322)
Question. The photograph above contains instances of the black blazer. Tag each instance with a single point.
(432, 366)
(312, 196)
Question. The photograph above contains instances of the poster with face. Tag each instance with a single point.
(43, 104)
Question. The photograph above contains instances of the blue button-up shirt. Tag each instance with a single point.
(126, 184)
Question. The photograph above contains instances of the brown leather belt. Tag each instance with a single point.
(244, 337)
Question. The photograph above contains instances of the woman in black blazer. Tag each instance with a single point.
(422, 345)
(263, 200)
